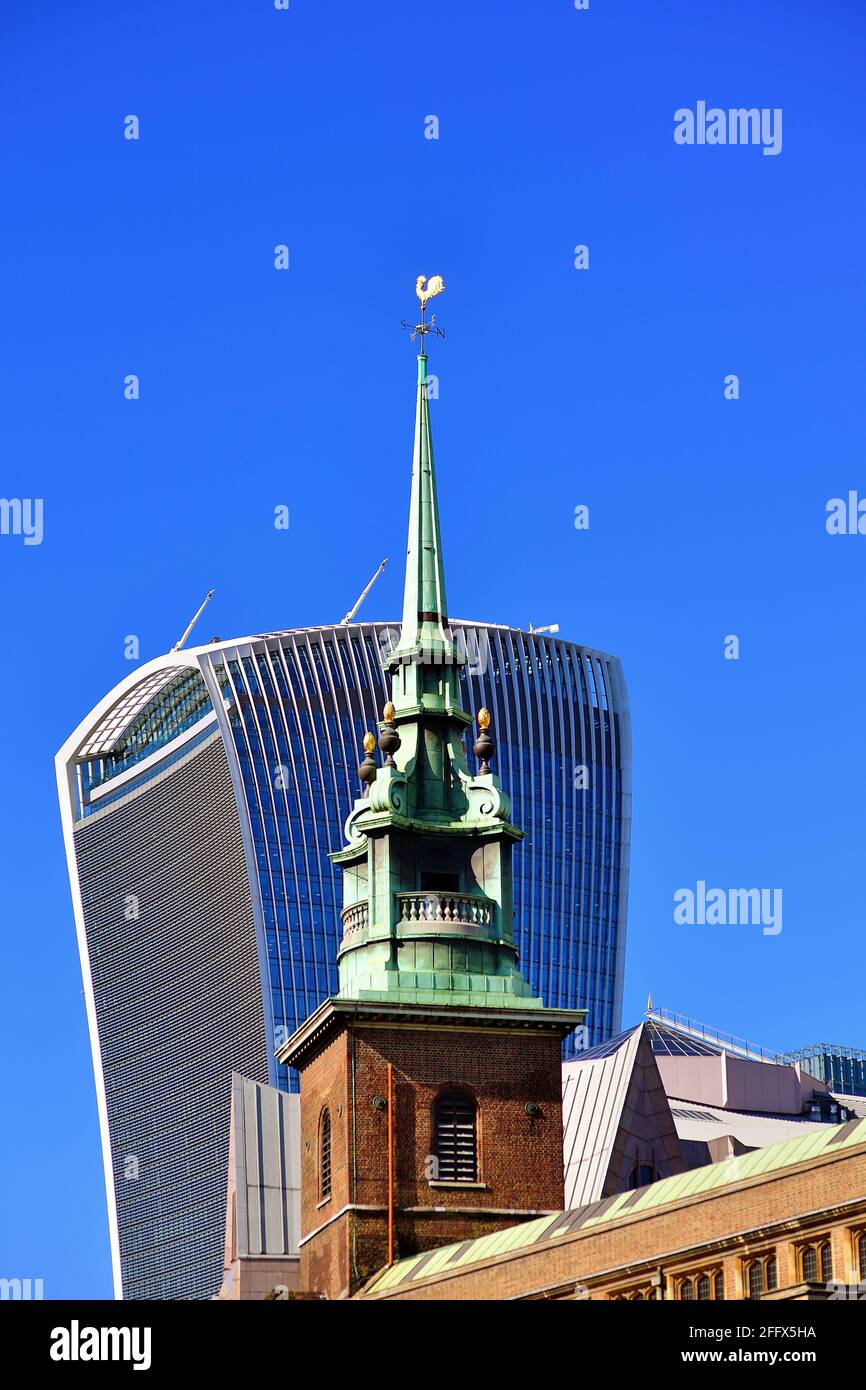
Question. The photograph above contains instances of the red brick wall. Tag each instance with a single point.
(520, 1158)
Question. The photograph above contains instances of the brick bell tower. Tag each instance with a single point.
(431, 1083)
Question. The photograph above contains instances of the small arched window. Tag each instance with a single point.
(810, 1265)
(455, 1137)
(719, 1285)
(826, 1262)
(756, 1279)
(325, 1155)
(772, 1273)
(641, 1175)
(703, 1287)
(861, 1247)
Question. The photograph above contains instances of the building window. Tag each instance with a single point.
(642, 1175)
(861, 1253)
(455, 1137)
(760, 1274)
(816, 1262)
(325, 1155)
(719, 1285)
(703, 1286)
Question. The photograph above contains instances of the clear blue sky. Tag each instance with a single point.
(557, 387)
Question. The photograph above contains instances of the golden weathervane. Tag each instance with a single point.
(426, 290)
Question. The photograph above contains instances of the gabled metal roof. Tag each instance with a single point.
(594, 1089)
(643, 1200)
(755, 1129)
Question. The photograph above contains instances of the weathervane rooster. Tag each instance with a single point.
(435, 285)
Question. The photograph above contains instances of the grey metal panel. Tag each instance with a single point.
(266, 1127)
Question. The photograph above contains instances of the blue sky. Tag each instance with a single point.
(558, 387)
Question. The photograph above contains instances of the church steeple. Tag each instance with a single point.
(425, 640)
(428, 913)
(434, 1048)
(424, 636)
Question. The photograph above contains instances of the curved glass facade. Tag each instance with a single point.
(290, 709)
(176, 708)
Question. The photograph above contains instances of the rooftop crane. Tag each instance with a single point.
(208, 596)
(364, 592)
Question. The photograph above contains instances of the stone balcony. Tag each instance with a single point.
(354, 918)
(448, 908)
(451, 913)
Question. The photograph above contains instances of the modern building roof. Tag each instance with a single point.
(660, 1098)
(754, 1129)
(855, 1103)
(812, 1145)
(614, 1114)
(669, 1042)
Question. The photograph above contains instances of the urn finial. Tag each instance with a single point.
(484, 748)
(389, 739)
(367, 768)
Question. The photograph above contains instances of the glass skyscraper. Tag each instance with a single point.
(207, 909)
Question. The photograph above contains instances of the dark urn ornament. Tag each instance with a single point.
(389, 739)
(484, 748)
(367, 769)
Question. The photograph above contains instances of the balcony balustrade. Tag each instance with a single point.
(433, 905)
(355, 918)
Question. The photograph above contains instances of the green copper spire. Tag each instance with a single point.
(425, 609)
(424, 636)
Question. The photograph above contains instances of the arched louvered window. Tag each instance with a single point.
(325, 1155)
(456, 1137)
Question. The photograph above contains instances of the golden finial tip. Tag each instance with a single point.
(388, 713)
(483, 718)
(369, 743)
